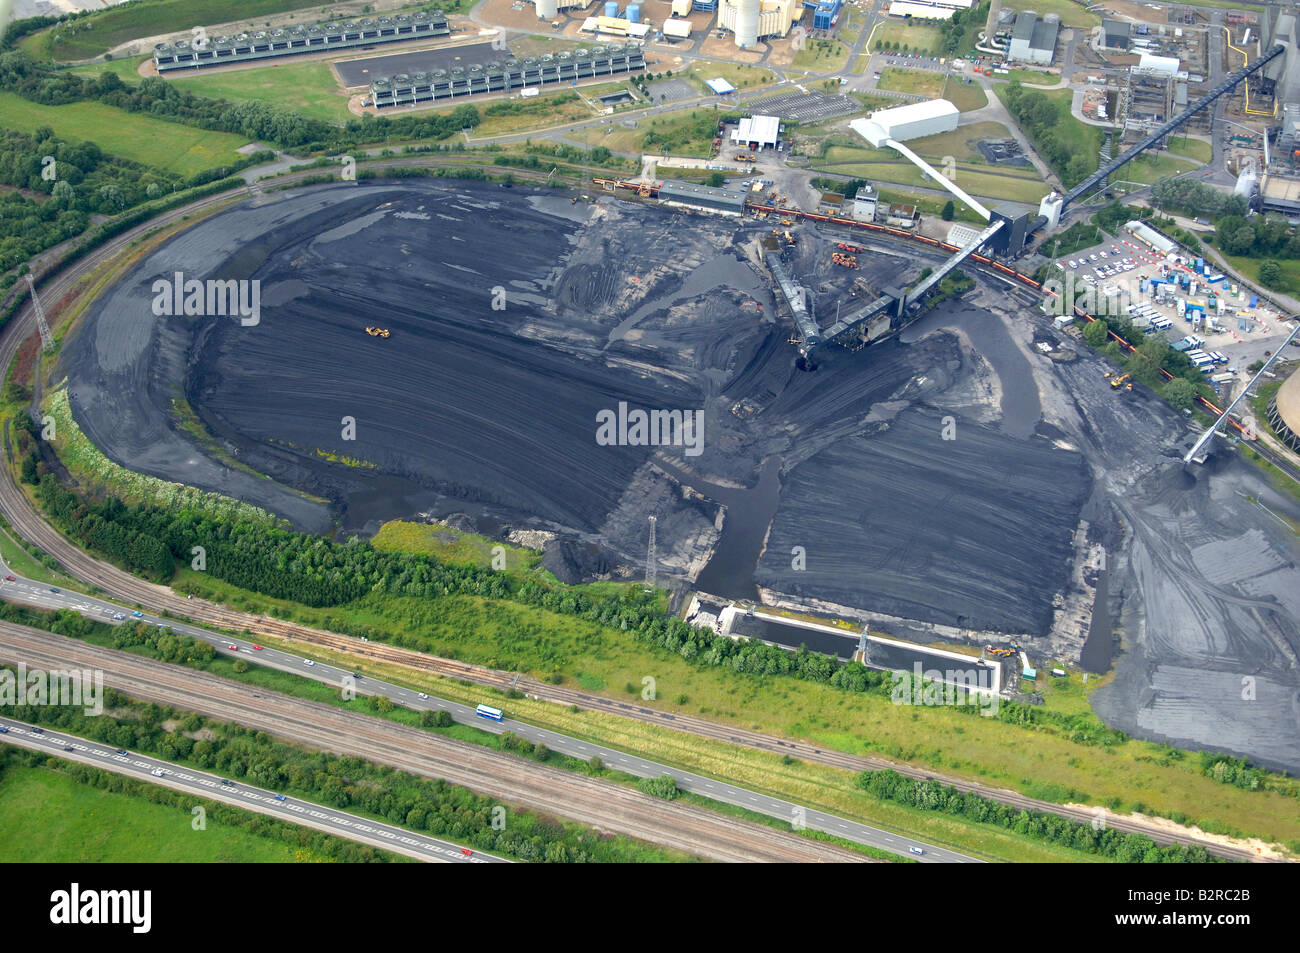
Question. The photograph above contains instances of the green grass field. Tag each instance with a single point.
(921, 39)
(918, 81)
(48, 817)
(1148, 168)
(960, 143)
(306, 88)
(822, 56)
(165, 145)
(1196, 149)
(738, 75)
(965, 96)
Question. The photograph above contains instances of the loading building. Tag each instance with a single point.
(913, 121)
(1154, 239)
(297, 40)
(693, 195)
(1281, 194)
(758, 132)
(1034, 40)
(928, 9)
(406, 89)
(864, 204)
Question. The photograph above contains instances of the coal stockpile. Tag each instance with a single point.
(973, 532)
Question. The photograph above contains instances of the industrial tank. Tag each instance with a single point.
(611, 8)
(546, 9)
(633, 13)
(747, 12)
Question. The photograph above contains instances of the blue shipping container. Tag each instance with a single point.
(1254, 300)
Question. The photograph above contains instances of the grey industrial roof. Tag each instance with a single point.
(687, 191)
(1044, 37)
(1024, 28)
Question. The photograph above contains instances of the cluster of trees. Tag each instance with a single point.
(1238, 772)
(959, 24)
(664, 786)
(1153, 355)
(1041, 119)
(79, 180)
(419, 803)
(165, 644)
(933, 796)
(512, 742)
(1196, 199)
(1260, 236)
(317, 844)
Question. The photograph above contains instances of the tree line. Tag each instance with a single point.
(930, 795)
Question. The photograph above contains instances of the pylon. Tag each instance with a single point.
(47, 339)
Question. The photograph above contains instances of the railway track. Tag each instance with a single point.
(596, 803)
(29, 523)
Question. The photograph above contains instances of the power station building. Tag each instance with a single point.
(752, 20)
(295, 40)
(1034, 40)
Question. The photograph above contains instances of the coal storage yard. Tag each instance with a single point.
(515, 318)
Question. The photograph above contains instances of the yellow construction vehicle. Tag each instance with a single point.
(789, 239)
(377, 332)
(786, 222)
(1116, 381)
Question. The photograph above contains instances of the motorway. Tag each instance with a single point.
(36, 594)
(142, 767)
(504, 778)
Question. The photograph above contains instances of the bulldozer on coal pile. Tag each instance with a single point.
(377, 332)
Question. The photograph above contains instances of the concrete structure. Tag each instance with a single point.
(547, 9)
(1144, 232)
(506, 74)
(1284, 411)
(295, 40)
(746, 19)
(758, 132)
(1114, 34)
(864, 204)
(774, 18)
(1288, 140)
(912, 121)
(681, 7)
(1161, 65)
(730, 201)
(677, 29)
(901, 216)
(1280, 194)
(1034, 40)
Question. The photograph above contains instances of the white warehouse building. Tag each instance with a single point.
(913, 121)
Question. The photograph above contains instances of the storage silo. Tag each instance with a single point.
(747, 12)
(633, 14)
(611, 9)
(547, 9)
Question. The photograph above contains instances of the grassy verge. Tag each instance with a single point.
(607, 663)
(821, 56)
(48, 817)
(93, 469)
(737, 74)
(130, 135)
(452, 546)
(919, 39)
